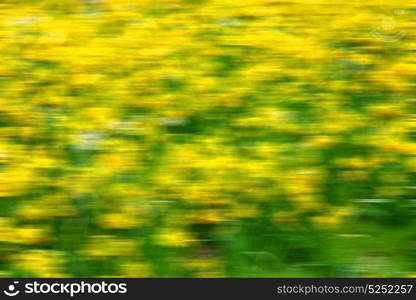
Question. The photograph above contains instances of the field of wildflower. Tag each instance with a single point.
(207, 138)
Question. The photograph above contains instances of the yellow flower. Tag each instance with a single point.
(105, 246)
(135, 270)
(119, 220)
(208, 217)
(31, 234)
(39, 263)
(333, 218)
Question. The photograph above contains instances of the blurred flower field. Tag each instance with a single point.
(207, 138)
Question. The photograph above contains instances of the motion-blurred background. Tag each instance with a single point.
(207, 138)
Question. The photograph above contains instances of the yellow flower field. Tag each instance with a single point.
(207, 138)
